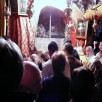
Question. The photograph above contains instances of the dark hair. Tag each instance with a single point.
(82, 84)
(44, 56)
(58, 62)
(97, 70)
(69, 48)
(11, 65)
(6, 37)
(53, 46)
(67, 40)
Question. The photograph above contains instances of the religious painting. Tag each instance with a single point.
(82, 27)
(22, 7)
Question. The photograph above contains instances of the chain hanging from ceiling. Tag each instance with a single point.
(30, 8)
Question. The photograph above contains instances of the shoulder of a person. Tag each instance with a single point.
(46, 66)
(47, 63)
(67, 78)
(75, 51)
(98, 54)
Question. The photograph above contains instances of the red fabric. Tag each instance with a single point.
(13, 28)
(73, 38)
(21, 31)
(72, 35)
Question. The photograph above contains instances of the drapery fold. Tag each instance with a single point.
(21, 31)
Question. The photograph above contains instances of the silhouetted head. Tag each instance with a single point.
(52, 47)
(97, 70)
(82, 84)
(68, 48)
(11, 65)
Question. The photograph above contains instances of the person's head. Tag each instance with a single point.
(97, 70)
(68, 12)
(52, 47)
(82, 84)
(68, 48)
(11, 65)
(33, 49)
(89, 51)
(13, 45)
(31, 78)
(44, 57)
(58, 62)
(100, 46)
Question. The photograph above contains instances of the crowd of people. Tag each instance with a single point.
(52, 76)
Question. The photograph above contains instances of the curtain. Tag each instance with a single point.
(22, 32)
(2, 2)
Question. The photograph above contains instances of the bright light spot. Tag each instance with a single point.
(60, 4)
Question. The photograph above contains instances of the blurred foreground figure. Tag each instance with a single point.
(11, 72)
(82, 85)
(56, 87)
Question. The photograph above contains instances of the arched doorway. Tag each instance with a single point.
(51, 26)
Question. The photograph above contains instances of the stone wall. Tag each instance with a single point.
(42, 43)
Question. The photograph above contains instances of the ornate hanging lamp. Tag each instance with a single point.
(69, 20)
(95, 23)
(30, 10)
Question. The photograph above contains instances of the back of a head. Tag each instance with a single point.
(97, 70)
(52, 46)
(96, 66)
(82, 84)
(31, 78)
(13, 45)
(58, 62)
(68, 48)
(11, 65)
